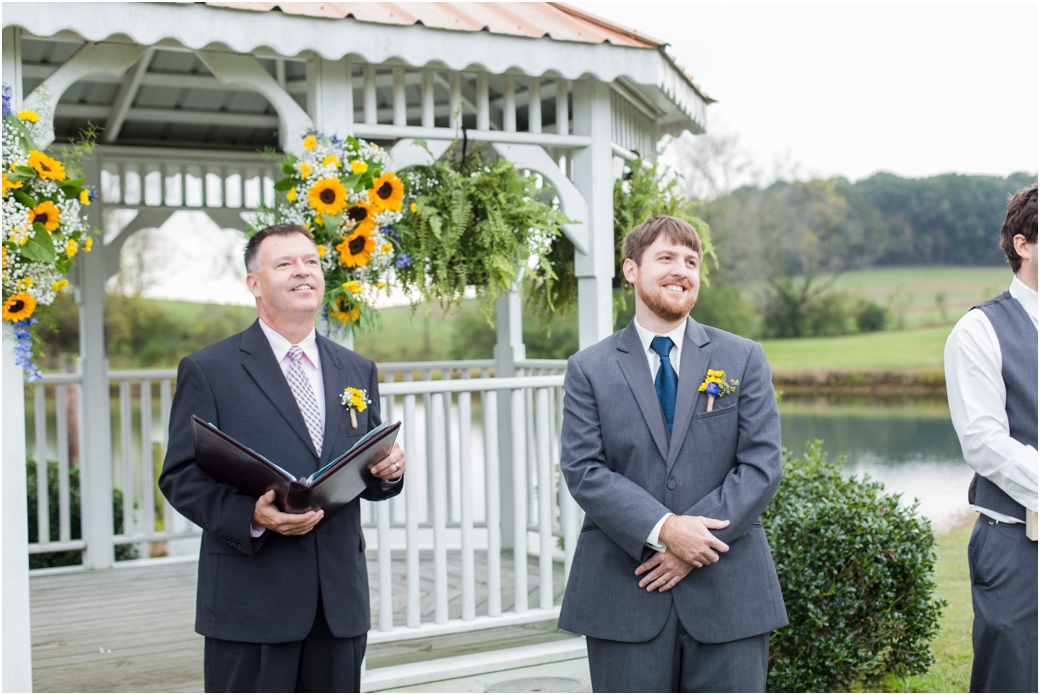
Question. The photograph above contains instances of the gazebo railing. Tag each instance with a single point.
(465, 499)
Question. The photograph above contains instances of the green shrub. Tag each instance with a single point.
(722, 305)
(870, 316)
(68, 557)
(856, 569)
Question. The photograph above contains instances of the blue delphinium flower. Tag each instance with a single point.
(403, 260)
(92, 193)
(23, 350)
(389, 231)
(7, 99)
(713, 389)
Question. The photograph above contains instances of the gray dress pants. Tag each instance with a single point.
(1002, 563)
(674, 662)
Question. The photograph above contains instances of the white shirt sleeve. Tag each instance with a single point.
(654, 540)
(975, 389)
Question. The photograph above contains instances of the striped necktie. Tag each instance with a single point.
(304, 393)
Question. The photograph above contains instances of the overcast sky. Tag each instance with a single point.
(854, 88)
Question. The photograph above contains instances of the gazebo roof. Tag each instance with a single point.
(177, 100)
(531, 19)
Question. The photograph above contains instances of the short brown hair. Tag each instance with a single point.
(644, 235)
(253, 245)
(1021, 219)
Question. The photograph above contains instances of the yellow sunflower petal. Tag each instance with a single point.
(46, 167)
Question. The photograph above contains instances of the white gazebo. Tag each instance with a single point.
(187, 95)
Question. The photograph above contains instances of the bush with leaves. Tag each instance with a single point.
(856, 568)
(479, 223)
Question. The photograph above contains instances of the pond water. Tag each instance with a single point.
(908, 444)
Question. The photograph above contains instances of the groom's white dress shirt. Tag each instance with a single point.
(977, 396)
(654, 361)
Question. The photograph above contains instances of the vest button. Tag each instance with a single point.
(672, 484)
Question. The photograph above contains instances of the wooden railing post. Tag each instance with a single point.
(508, 351)
(95, 422)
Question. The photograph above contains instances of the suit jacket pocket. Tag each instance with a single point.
(716, 413)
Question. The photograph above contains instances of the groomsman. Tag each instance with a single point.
(991, 380)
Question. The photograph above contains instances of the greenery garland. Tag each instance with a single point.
(477, 223)
(637, 197)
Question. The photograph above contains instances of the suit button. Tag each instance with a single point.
(672, 484)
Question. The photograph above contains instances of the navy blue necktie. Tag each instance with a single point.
(667, 381)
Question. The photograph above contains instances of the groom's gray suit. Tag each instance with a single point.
(626, 472)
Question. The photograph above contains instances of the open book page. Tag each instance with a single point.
(372, 433)
(287, 474)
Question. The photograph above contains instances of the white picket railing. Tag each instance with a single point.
(462, 491)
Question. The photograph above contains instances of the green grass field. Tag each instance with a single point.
(925, 296)
(952, 647)
(912, 349)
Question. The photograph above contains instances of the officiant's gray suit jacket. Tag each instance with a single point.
(265, 589)
(626, 472)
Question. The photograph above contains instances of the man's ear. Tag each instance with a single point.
(1022, 247)
(629, 268)
(253, 284)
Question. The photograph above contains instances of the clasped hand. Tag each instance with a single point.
(266, 514)
(690, 544)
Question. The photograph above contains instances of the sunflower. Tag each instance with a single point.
(19, 307)
(363, 215)
(328, 197)
(46, 167)
(356, 249)
(9, 184)
(46, 214)
(310, 142)
(346, 316)
(387, 192)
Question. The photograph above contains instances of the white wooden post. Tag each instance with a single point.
(95, 424)
(330, 95)
(593, 175)
(508, 351)
(17, 652)
(17, 645)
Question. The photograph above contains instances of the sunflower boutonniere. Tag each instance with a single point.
(716, 386)
(356, 400)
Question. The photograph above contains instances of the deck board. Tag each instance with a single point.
(131, 629)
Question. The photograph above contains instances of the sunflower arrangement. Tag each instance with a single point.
(338, 191)
(43, 227)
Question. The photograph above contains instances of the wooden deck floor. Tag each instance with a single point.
(131, 629)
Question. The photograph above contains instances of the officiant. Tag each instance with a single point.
(282, 599)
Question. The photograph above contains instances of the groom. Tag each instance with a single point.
(672, 580)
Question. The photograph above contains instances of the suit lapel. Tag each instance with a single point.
(692, 368)
(637, 372)
(332, 376)
(261, 365)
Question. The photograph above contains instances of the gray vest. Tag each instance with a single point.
(1018, 349)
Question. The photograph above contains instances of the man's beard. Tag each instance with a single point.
(654, 302)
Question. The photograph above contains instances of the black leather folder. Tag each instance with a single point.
(331, 488)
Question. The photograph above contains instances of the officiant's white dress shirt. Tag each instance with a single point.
(654, 361)
(977, 396)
